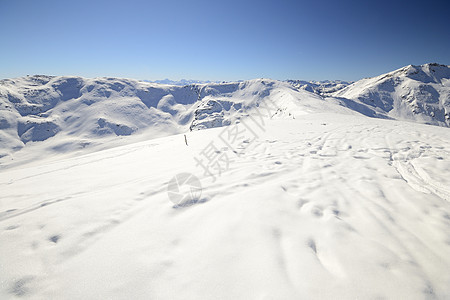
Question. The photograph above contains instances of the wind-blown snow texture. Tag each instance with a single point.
(324, 203)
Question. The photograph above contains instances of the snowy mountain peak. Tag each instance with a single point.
(431, 72)
(415, 93)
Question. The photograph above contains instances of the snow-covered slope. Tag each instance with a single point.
(237, 100)
(84, 112)
(323, 206)
(81, 110)
(299, 196)
(414, 93)
(89, 113)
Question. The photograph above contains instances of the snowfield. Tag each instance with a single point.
(303, 196)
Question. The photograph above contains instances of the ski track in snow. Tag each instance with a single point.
(327, 206)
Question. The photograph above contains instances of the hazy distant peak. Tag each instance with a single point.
(181, 82)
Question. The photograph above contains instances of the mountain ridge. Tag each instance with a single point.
(415, 93)
(88, 111)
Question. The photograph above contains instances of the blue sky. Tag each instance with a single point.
(220, 40)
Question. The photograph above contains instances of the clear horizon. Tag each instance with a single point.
(233, 40)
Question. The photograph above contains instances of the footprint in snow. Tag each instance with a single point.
(19, 288)
(312, 244)
(12, 227)
(54, 238)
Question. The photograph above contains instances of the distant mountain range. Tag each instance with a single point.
(322, 88)
(82, 112)
(181, 82)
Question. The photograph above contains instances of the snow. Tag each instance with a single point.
(317, 199)
(181, 82)
(324, 88)
(85, 114)
(413, 93)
